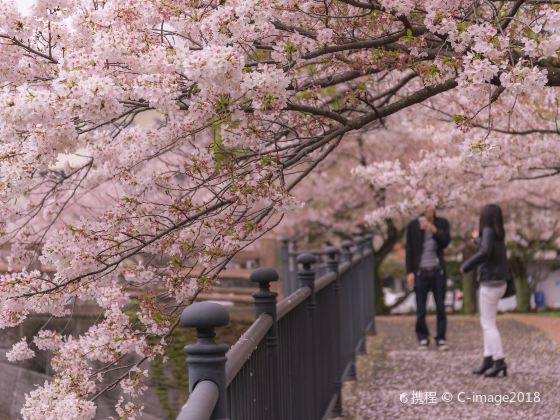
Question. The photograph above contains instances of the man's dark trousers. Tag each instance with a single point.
(437, 283)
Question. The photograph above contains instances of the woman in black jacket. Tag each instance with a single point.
(493, 273)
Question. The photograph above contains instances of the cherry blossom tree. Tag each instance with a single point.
(245, 99)
(516, 167)
(333, 205)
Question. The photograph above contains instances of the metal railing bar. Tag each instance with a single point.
(201, 402)
(324, 281)
(346, 371)
(360, 342)
(328, 412)
(344, 267)
(287, 304)
(317, 252)
(357, 258)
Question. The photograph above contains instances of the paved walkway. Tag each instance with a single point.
(394, 369)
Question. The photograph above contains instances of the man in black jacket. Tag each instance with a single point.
(427, 237)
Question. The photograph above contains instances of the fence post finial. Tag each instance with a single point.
(306, 274)
(265, 299)
(368, 241)
(332, 258)
(285, 266)
(346, 250)
(206, 358)
(359, 241)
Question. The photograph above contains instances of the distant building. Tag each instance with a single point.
(545, 273)
(550, 286)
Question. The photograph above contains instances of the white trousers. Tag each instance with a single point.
(488, 302)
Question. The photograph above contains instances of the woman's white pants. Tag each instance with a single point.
(488, 302)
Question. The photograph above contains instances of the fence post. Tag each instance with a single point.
(362, 295)
(371, 281)
(306, 277)
(332, 266)
(348, 284)
(285, 261)
(359, 242)
(265, 302)
(295, 244)
(292, 263)
(206, 358)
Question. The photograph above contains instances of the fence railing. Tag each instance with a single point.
(291, 362)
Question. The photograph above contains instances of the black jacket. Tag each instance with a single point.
(491, 258)
(415, 243)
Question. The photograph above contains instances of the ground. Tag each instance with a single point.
(393, 369)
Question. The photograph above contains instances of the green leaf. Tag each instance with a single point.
(203, 280)
(461, 26)
(311, 69)
(459, 119)
(266, 160)
(409, 35)
(305, 94)
(289, 48)
(176, 262)
(479, 147)
(433, 70)
(250, 226)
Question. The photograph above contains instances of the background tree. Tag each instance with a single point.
(334, 205)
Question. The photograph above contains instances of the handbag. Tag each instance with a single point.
(510, 287)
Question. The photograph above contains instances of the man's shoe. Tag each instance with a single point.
(423, 344)
(441, 345)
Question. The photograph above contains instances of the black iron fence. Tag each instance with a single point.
(291, 362)
(289, 252)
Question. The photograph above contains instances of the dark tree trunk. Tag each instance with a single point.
(519, 271)
(394, 235)
(468, 284)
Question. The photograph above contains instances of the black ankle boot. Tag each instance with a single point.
(486, 364)
(499, 366)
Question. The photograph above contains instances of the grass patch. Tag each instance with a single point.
(555, 313)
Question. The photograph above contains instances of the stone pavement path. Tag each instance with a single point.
(394, 369)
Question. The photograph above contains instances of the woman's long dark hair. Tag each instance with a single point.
(491, 216)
